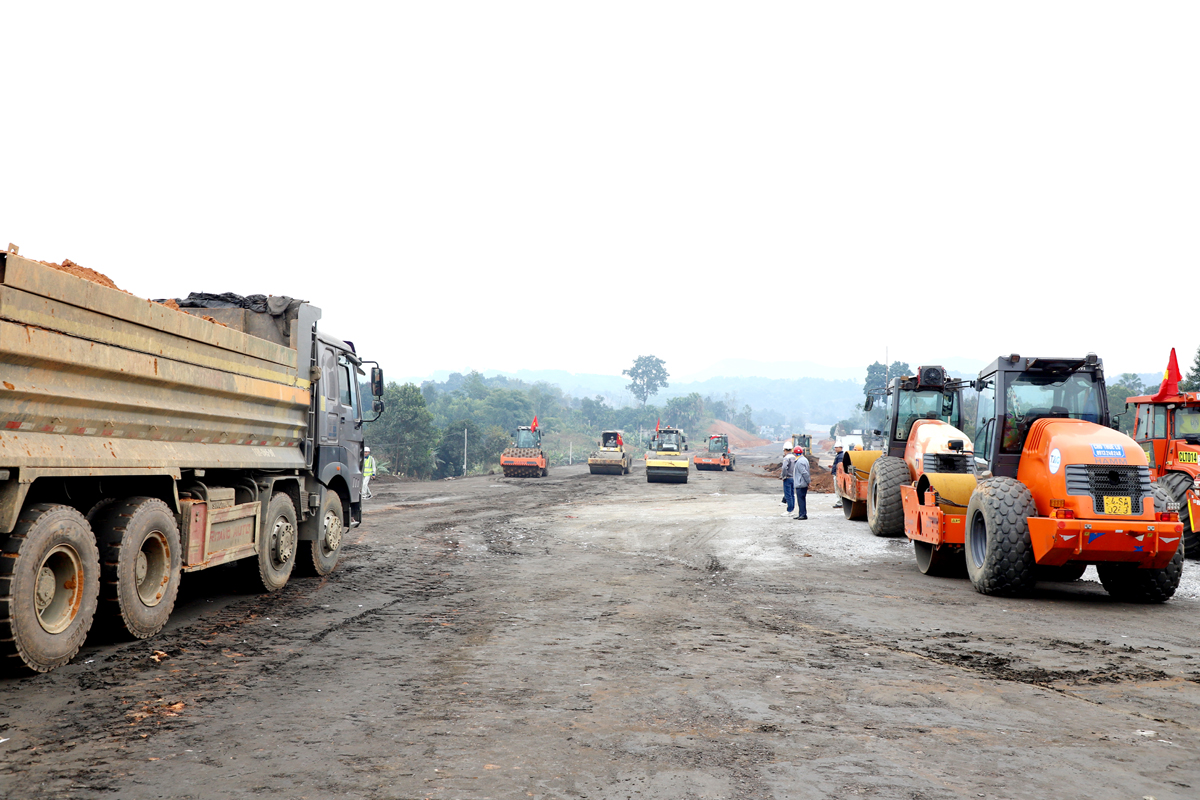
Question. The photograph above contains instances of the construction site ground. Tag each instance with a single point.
(595, 636)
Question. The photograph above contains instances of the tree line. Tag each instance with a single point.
(421, 431)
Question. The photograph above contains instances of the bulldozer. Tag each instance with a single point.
(1167, 428)
(525, 457)
(718, 456)
(612, 458)
(802, 440)
(1057, 489)
(666, 462)
(923, 434)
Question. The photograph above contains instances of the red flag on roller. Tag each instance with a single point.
(1170, 383)
(657, 422)
(534, 426)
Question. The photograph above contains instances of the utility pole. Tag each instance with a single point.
(464, 450)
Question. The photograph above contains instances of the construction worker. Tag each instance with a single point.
(368, 471)
(787, 472)
(787, 453)
(800, 481)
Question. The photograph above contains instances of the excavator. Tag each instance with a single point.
(525, 457)
(1055, 489)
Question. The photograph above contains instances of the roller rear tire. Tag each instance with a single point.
(1177, 486)
(885, 507)
(1133, 585)
(999, 553)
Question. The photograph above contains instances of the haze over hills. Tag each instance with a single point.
(779, 391)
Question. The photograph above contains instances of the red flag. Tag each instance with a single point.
(656, 424)
(534, 427)
(619, 442)
(1170, 383)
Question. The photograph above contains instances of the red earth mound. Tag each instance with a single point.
(737, 437)
(820, 478)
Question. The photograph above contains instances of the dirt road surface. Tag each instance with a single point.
(588, 636)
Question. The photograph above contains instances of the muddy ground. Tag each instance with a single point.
(586, 636)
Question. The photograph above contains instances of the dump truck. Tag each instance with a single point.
(138, 442)
(923, 435)
(612, 458)
(1167, 428)
(666, 462)
(525, 457)
(1057, 489)
(718, 456)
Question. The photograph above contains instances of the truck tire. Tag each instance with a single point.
(277, 545)
(1177, 485)
(319, 555)
(999, 553)
(49, 586)
(1127, 582)
(885, 508)
(140, 563)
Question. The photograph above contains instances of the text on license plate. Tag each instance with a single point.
(1118, 505)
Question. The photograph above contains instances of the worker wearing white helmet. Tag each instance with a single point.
(368, 471)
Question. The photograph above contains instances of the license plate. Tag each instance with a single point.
(1118, 505)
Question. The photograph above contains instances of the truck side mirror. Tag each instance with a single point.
(377, 381)
(377, 406)
(869, 404)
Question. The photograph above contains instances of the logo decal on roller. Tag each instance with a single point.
(1055, 461)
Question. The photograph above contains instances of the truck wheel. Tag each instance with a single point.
(1127, 582)
(885, 508)
(1177, 485)
(320, 555)
(140, 561)
(49, 585)
(999, 553)
(940, 562)
(277, 547)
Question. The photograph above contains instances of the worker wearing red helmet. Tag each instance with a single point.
(800, 480)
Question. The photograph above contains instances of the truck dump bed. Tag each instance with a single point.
(96, 381)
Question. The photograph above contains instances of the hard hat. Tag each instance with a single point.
(787, 447)
(366, 449)
(799, 450)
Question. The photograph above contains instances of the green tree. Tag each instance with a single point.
(450, 450)
(404, 435)
(647, 375)
(1128, 385)
(1191, 381)
(685, 412)
(1134, 382)
(879, 375)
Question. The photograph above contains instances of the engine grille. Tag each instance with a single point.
(959, 463)
(1101, 480)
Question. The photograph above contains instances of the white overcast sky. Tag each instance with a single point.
(464, 185)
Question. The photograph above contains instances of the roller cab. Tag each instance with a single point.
(717, 456)
(1062, 489)
(666, 461)
(612, 458)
